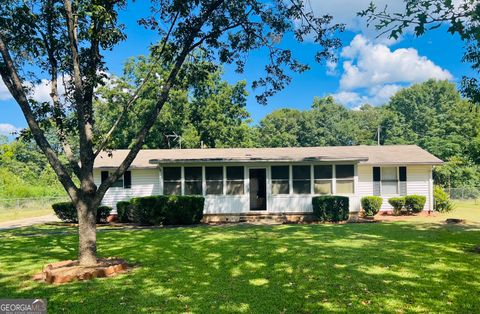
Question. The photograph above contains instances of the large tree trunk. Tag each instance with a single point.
(87, 235)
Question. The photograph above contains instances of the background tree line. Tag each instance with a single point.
(432, 115)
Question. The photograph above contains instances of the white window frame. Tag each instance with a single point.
(398, 181)
(334, 191)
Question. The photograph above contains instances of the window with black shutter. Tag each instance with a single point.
(104, 176)
(127, 180)
(402, 173)
(376, 180)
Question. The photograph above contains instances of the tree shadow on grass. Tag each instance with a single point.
(388, 267)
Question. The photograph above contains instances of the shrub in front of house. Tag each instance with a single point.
(330, 208)
(442, 202)
(124, 211)
(167, 210)
(66, 212)
(397, 203)
(371, 205)
(415, 203)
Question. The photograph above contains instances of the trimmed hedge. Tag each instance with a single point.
(167, 210)
(442, 200)
(66, 212)
(371, 205)
(415, 203)
(331, 207)
(124, 211)
(397, 203)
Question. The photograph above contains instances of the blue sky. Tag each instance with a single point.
(369, 70)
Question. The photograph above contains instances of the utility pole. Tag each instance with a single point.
(378, 135)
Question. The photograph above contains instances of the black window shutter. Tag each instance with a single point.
(104, 176)
(376, 181)
(127, 180)
(403, 173)
(376, 173)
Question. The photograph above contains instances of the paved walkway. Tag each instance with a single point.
(27, 222)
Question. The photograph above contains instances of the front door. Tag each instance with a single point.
(258, 189)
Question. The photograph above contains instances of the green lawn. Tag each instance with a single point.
(25, 208)
(366, 268)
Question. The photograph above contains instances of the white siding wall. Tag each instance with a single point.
(144, 182)
(148, 182)
(418, 182)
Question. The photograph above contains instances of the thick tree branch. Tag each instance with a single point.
(136, 94)
(15, 86)
(188, 46)
(83, 124)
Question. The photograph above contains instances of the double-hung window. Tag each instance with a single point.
(301, 178)
(323, 175)
(214, 180)
(344, 177)
(389, 178)
(193, 180)
(124, 181)
(280, 180)
(172, 180)
(235, 180)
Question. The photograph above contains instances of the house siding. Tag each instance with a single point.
(419, 181)
(145, 182)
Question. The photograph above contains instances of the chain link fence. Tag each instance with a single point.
(22, 205)
(465, 193)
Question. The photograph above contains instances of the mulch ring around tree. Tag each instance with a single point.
(70, 270)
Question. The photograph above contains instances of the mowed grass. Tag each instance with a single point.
(396, 267)
(11, 210)
(16, 214)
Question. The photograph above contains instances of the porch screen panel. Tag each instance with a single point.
(301, 179)
(323, 179)
(389, 181)
(376, 181)
(280, 180)
(193, 180)
(344, 179)
(402, 173)
(235, 180)
(214, 180)
(172, 180)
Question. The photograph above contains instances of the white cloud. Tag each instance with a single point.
(4, 92)
(345, 11)
(373, 72)
(377, 95)
(8, 129)
(370, 64)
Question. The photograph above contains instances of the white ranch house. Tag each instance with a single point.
(272, 181)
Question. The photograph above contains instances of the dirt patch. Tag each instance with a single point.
(70, 270)
(390, 216)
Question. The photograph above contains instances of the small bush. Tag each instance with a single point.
(167, 210)
(102, 213)
(66, 212)
(397, 203)
(330, 207)
(371, 205)
(442, 200)
(415, 203)
(124, 211)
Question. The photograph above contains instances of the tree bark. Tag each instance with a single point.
(87, 230)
